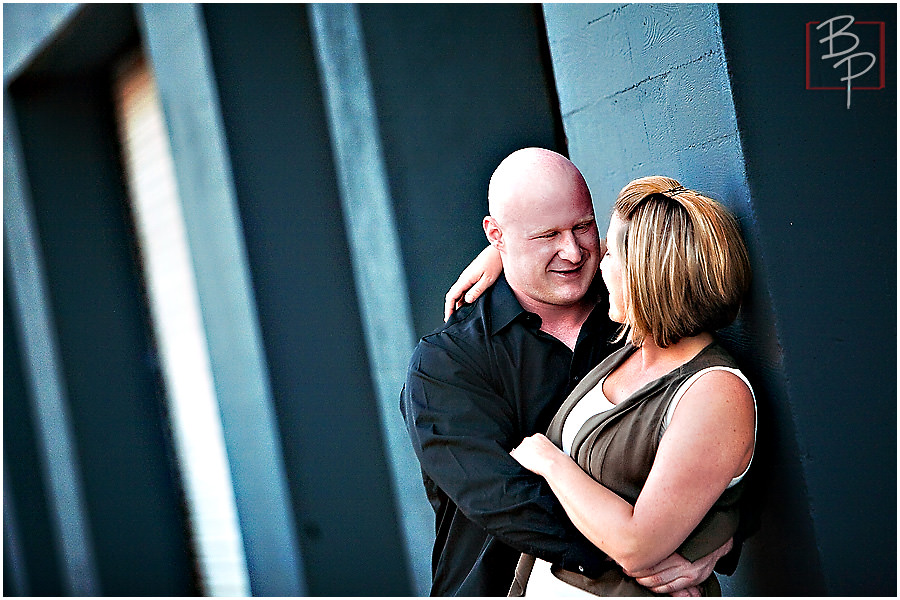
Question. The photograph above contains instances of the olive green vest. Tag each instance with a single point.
(617, 448)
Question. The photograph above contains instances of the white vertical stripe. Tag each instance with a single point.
(175, 311)
(175, 39)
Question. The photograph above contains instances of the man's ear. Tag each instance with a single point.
(493, 232)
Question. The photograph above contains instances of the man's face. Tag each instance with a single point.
(551, 246)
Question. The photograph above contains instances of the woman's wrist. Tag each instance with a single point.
(554, 464)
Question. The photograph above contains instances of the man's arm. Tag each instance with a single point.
(462, 431)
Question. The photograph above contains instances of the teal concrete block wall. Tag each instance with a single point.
(645, 89)
(715, 96)
(640, 88)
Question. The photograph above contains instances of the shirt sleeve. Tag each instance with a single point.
(462, 430)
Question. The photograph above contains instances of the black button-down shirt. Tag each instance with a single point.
(475, 388)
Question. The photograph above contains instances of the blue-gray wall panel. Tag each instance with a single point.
(23, 466)
(457, 88)
(175, 38)
(28, 28)
(132, 496)
(640, 90)
(659, 102)
(300, 264)
(825, 182)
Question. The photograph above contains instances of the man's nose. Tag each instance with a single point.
(570, 249)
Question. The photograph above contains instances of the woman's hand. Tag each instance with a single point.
(538, 454)
(474, 280)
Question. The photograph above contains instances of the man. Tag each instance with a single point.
(497, 371)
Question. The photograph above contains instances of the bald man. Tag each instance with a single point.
(497, 371)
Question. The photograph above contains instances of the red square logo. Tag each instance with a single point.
(845, 54)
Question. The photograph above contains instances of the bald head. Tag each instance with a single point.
(542, 223)
(528, 175)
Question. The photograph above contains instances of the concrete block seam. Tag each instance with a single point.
(664, 74)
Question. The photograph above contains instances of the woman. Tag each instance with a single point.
(648, 453)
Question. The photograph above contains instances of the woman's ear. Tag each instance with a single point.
(493, 232)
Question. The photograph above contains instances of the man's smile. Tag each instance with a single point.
(576, 270)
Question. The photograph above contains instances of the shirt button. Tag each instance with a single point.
(576, 379)
(580, 569)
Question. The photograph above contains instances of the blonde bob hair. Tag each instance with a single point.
(685, 266)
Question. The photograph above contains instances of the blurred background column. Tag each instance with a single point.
(35, 340)
(177, 46)
(377, 260)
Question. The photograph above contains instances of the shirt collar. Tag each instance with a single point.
(504, 306)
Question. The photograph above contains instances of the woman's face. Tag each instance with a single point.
(611, 268)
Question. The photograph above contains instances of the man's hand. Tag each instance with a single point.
(474, 280)
(677, 576)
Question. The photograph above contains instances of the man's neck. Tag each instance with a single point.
(562, 322)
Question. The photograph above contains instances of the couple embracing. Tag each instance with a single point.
(582, 434)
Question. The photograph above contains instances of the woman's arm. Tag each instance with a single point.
(481, 274)
(474, 280)
(709, 441)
